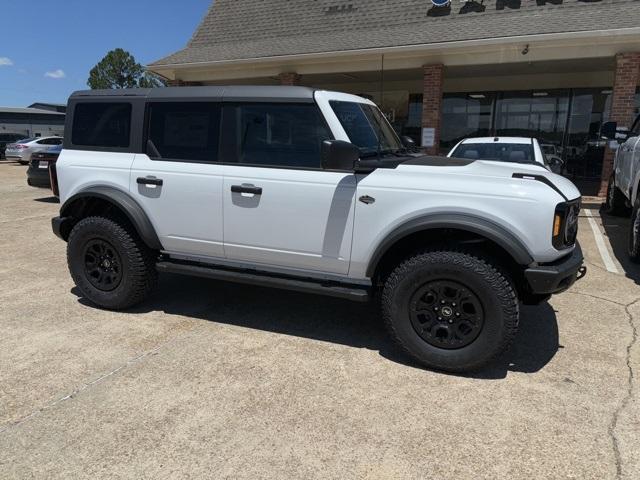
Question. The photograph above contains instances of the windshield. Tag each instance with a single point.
(501, 152)
(26, 140)
(367, 128)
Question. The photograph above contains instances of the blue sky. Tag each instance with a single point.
(48, 47)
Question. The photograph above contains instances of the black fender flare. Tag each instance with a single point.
(123, 201)
(458, 221)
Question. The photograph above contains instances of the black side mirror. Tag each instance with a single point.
(408, 143)
(609, 130)
(339, 155)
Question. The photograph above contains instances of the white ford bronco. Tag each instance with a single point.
(313, 191)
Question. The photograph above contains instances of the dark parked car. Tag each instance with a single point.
(39, 165)
(6, 139)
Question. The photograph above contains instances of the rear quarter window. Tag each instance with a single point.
(102, 124)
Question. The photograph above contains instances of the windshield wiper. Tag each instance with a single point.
(380, 154)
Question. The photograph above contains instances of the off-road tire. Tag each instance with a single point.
(634, 233)
(491, 287)
(616, 201)
(137, 262)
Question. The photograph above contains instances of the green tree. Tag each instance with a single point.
(119, 69)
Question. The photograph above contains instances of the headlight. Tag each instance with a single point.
(565, 224)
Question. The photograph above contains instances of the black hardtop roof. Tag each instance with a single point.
(215, 93)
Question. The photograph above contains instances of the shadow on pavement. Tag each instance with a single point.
(616, 229)
(331, 320)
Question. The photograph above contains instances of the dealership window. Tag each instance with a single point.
(102, 125)
(280, 135)
(465, 115)
(539, 114)
(412, 127)
(184, 131)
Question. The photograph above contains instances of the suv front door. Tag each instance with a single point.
(280, 207)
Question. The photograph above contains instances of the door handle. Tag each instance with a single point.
(149, 181)
(246, 189)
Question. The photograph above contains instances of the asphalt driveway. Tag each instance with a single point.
(209, 380)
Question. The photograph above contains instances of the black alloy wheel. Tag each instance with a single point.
(446, 314)
(102, 265)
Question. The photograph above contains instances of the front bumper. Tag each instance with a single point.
(558, 276)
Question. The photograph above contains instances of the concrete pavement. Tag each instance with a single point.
(208, 380)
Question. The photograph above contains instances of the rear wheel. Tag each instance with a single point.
(450, 311)
(634, 233)
(109, 263)
(616, 202)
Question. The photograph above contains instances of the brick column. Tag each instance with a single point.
(290, 79)
(627, 77)
(432, 103)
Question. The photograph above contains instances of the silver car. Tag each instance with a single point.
(22, 150)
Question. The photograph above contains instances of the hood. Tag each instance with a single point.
(521, 172)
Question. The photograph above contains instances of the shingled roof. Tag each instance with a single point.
(245, 29)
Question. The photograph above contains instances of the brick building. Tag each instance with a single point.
(552, 69)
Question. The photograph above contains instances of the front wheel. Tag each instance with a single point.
(616, 202)
(109, 263)
(634, 233)
(450, 310)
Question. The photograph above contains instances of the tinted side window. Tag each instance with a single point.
(280, 135)
(102, 125)
(184, 131)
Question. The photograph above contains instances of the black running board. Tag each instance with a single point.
(304, 285)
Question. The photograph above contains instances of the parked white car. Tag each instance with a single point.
(500, 149)
(313, 191)
(22, 150)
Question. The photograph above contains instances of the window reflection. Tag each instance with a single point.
(541, 114)
(465, 115)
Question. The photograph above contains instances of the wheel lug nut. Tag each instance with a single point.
(457, 314)
(442, 302)
(453, 304)
(450, 321)
(436, 309)
(440, 318)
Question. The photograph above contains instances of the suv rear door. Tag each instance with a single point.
(280, 207)
(178, 181)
